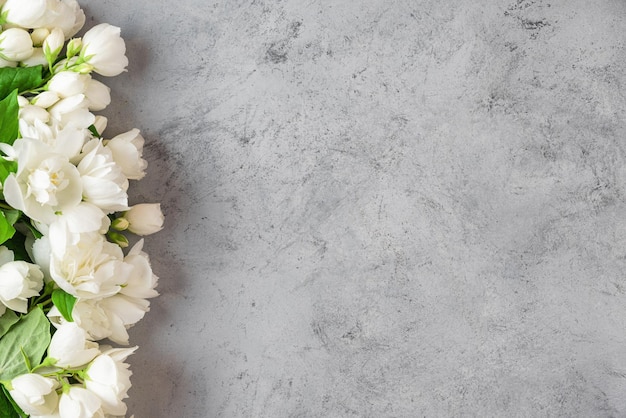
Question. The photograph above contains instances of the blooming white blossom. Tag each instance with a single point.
(78, 402)
(104, 50)
(104, 183)
(108, 376)
(144, 218)
(24, 13)
(19, 281)
(15, 44)
(67, 141)
(35, 394)
(127, 150)
(70, 348)
(45, 183)
(84, 265)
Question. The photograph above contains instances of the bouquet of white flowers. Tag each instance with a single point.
(66, 281)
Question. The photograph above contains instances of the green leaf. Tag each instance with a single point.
(6, 229)
(64, 303)
(6, 168)
(7, 321)
(94, 131)
(17, 411)
(9, 118)
(7, 410)
(22, 79)
(30, 334)
(12, 215)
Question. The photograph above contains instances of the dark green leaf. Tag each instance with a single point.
(6, 321)
(21, 78)
(9, 118)
(17, 244)
(94, 131)
(33, 230)
(30, 334)
(64, 303)
(6, 229)
(16, 408)
(7, 410)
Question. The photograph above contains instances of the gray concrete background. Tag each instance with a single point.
(380, 208)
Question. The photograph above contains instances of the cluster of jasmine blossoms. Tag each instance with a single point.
(67, 278)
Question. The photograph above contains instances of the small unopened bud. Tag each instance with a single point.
(118, 239)
(53, 44)
(73, 47)
(121, 224)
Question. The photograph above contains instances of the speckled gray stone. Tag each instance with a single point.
(380, 208)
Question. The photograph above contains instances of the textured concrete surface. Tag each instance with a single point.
(380, 208)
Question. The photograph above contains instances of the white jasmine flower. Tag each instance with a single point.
(84, 265)
(63, 14)
(104, 183)
(70, 348)
(15, 44)
(24, 13)
(66, 141)
(127, 150)
(19, 281)
(78, 402)
(104, 49)
(108, 376)
(73, 8)
(45, 183)
(145, 218)
(35, 394)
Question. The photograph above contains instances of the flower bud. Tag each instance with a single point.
(39, 35)
(118, 239)
(73, 47)
(145, 218)
(105, 50)
(53, 44)
(15, 44)
(120, 224)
